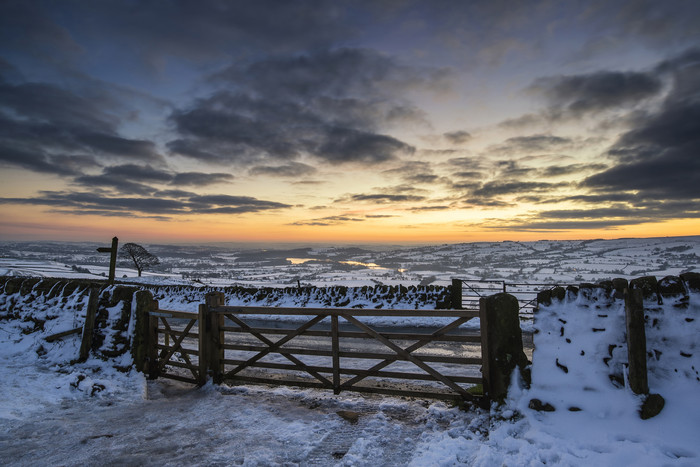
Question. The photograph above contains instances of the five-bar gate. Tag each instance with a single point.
(339, 349)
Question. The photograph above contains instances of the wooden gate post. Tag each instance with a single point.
(636, 341)
(501, 344)
(152, 356)
(214, 323)
(456, 294)
(143, 344)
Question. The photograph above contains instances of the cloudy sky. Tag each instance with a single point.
(349, 121)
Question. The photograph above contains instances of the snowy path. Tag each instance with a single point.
(179, 425)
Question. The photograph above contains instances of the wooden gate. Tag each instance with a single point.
(337, 349)
(340, 349)
(176, 342)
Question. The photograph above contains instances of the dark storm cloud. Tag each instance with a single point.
(292, 170)
(150, 31)
(499, 188)
(31, 159)
(200, 178)
(119, 184)
(658, 157)
(457, 137)
(617, 215)
(512, 169)
(532, 143)
(386, 198)
(49, 129)
(468, 175)
(573, 96)
(330, 220)
(414, 172)
(559, 170)
(139, 179)
(184, 204)
(327, 104)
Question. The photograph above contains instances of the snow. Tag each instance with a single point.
(56, 412)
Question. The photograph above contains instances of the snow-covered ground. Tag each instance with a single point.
(563, 262)
(53, 412)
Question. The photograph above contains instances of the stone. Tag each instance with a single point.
(671, 286)
(648, 285)
(692, 280)
(653, 404)
(619, 284)
(538, 405)
(349, 415)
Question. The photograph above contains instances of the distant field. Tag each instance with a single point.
(542, 261)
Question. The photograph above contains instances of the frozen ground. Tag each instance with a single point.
(55, 413)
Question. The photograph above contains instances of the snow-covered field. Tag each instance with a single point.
(53, 412)
(562, 262)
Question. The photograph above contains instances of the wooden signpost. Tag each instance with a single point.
(112, 260)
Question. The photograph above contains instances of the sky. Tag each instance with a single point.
(381, 121)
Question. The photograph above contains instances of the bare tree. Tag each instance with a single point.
(139, 255)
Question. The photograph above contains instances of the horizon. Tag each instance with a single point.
(312, 245)
(348, 122)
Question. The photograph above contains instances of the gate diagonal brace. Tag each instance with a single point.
(275, 346)
(384, 363)
(169, 332)
(419, 363)
(290, 357)
(177, 344)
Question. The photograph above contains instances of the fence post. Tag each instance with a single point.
(141, 344)
(456, 294)
(152, 357)
(636, 341)
(501, 344)
(89, 326)
(204, 343)
(336, 354)
(215, 324)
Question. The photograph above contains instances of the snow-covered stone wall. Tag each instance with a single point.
(580, 356)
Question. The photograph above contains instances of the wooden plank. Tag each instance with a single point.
(179, 349)
(59, 335)
(263, 310)
(176, 333)
(468, 338)
(186, 366)
(204, 343)
(89, 325)
(301, 365)
(485, 349)
(335, 350)
(358, 371)
(178, 314)
(152, 357)
(276, 382)
(416, 361)
(218, 336)
(357, 355)
(406, 393)
(279, 343)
